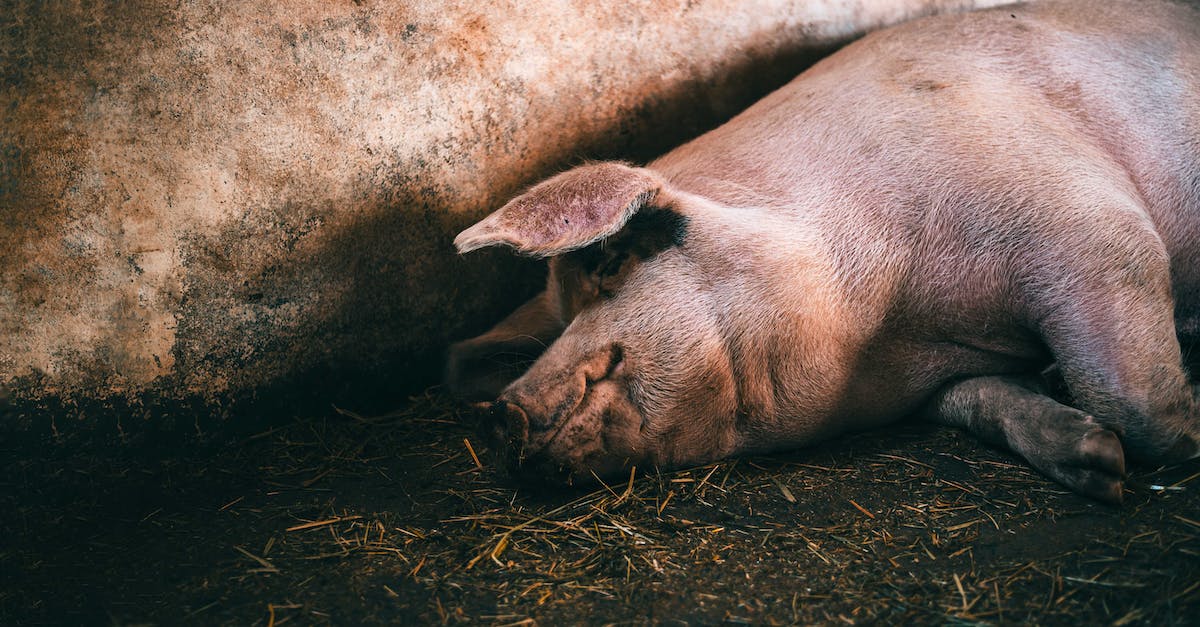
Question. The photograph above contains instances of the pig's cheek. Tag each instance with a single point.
(622, 433)
(601, 440)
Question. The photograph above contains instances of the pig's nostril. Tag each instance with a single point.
(509, 423)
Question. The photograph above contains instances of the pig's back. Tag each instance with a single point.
(962, 113)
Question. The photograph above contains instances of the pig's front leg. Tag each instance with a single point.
(479, 368)
(1062, 442)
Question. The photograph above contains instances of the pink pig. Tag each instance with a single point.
(989, 219)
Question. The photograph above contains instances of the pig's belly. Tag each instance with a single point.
(896, 380)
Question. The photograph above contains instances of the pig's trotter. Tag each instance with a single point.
(1062, 442)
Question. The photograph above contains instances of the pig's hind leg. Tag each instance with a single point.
(1062, 442)
(1104, 307)
(1100, 298)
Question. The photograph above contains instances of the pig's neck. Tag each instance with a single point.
(791, 321)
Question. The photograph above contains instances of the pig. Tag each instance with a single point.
(990, 219)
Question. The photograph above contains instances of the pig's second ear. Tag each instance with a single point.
(567, 212)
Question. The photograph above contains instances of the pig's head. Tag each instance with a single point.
(622, 361)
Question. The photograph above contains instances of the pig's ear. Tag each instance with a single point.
(567, 212)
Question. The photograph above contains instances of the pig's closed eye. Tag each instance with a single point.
(612, 266)
(613, 273)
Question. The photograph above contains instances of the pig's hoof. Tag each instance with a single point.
(1092, 465)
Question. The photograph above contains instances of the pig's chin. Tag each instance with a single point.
(601, 439)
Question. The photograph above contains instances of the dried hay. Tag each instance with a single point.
(401, 517)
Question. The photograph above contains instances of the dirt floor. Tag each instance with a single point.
(347, 519)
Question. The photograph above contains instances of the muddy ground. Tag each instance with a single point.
(350, 519)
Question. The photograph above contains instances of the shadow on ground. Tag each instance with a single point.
(347, 519)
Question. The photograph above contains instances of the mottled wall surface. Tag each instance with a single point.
(202, 200)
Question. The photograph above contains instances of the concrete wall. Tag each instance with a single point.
(205, 200)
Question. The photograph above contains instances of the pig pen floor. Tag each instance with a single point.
(347, 519)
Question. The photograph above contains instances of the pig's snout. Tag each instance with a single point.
(515, 439)
(525, 422)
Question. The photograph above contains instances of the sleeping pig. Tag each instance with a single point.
(927, 222)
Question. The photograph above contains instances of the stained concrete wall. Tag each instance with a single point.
(207, 199)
